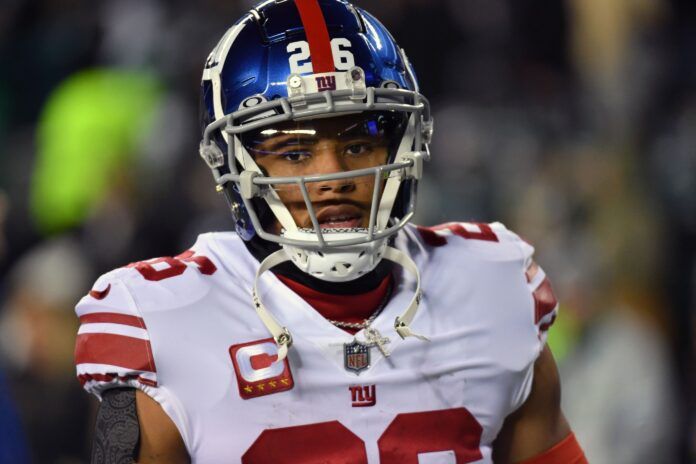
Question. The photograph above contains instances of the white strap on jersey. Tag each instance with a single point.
(403, 322)
(281, 334)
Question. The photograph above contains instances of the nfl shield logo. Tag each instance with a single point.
(356, 356)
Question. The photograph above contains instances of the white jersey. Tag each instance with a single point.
(184, 330)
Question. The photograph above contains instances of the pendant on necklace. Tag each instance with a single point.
(374, 338)
(356, 356)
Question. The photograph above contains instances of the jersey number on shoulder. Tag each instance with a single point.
(447, 431)
(164, 268)
(300, 53)
(468, 230)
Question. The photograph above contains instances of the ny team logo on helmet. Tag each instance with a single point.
(297, 60)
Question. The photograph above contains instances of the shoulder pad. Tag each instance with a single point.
(113, 346)
(168, 282)
(493, 239)
(496, 242)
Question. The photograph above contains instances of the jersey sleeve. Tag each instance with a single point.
(545, 303)
(540, 311)
(113, 346)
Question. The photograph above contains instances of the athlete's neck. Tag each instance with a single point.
(357, 301)
(352, 309)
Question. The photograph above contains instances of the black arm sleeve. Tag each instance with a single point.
(117, 431)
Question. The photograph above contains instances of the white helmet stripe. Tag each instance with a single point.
(216, 61)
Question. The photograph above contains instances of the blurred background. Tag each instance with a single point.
(573, 122)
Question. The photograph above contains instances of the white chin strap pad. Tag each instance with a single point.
(281, 334)
(335, 264)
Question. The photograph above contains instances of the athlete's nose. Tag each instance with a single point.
(327, 158)
(339, 186)
(329, 161)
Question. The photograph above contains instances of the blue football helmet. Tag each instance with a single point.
(291, 63)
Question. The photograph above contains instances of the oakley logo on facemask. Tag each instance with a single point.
(300, 62)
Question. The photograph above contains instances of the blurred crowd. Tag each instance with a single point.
(573, 122)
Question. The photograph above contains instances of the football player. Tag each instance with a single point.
(327, 328)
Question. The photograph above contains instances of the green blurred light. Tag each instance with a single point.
(90, 127)
(563, 336)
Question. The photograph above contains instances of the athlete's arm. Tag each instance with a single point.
(116, 430)
(131, 425)
(160, 441)
(538, 427)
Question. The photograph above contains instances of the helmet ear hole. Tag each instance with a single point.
(403, 198)
(242, 222)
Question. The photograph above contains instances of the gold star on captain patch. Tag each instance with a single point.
(248, 389)
(260, 386)
(284, 381)
(272, 384)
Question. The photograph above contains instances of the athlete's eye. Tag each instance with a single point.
(295, 155)
(356, 149)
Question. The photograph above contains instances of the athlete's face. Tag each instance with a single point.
(325, 146)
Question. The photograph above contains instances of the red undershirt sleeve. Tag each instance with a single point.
(567, 451)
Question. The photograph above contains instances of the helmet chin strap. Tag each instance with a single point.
(282, 335)
(335, 264)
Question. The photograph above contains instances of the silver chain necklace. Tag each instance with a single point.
(372, 335)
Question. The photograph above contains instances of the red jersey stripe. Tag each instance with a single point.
(317, 35)
(116, 350)
(544, 300)
(432, 238)
(84, 378)
(100, 294)
(113, 318)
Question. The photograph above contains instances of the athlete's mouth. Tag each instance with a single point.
(340, 217)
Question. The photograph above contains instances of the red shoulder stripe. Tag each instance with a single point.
(431, 237)
(116, 350)
(544, 300)
(100, 294)
(113, 318)
(317, 35)
(84, 378)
